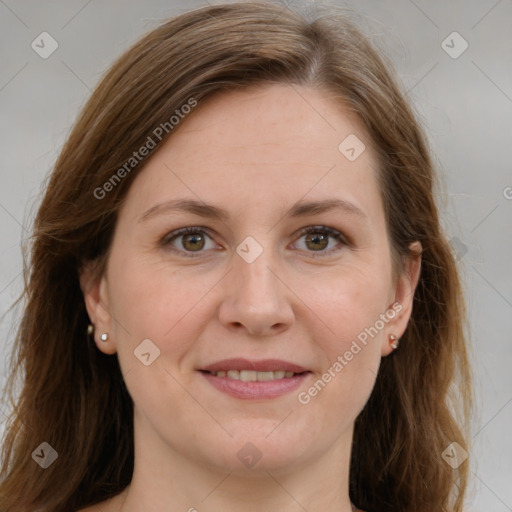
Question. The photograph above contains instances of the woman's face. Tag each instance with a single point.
(268, 318)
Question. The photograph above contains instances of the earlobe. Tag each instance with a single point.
(393, 341)
(404, 296)
(94, 289)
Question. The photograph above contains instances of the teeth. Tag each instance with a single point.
(252, 376)
(248, 376)
(267, 376)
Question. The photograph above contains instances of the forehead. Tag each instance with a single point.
(261, 121)
(271, 143)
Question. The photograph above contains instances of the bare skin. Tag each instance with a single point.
(304, 300)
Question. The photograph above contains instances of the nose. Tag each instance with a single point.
(255, 300)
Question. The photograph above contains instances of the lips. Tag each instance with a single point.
(241, 378)
(266, 365)
(252, 376)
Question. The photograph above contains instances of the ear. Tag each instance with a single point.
(95, 290)
(403, 297)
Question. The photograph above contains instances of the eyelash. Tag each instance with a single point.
(166, 241)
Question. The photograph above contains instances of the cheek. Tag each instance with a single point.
(347, 301)
(349, 306)
(350, 355)
(154, 301)
(151, 293)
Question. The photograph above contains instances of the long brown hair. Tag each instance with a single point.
(73, 396)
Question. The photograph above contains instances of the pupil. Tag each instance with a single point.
(318, 241)
(193, 242)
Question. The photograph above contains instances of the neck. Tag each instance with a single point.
(167, 479)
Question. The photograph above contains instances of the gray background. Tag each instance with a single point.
(465, 104)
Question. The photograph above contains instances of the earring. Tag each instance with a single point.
(393, 341)
(90, 329)
(104, 337)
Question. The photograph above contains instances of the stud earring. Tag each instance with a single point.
(104, 337)
(393, 341)
(90, 329)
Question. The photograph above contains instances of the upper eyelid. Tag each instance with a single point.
(166, 239)
(327, 229)
(302, 231)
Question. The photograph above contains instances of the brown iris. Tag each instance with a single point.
(193, 242)
(317, 241)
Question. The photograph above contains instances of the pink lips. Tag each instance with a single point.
(255, 390)
(265, 365)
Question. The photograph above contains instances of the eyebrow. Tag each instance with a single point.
(303, 208)
(299, 209)
(185, 205)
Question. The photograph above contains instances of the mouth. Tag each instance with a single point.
(244, 379)
(252, 376)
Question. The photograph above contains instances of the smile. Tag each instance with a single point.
(252, 376)
(254, 380)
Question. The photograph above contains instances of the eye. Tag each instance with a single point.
(189, 240)
(320, 239)
(192, 241)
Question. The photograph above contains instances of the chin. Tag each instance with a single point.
(258, 449)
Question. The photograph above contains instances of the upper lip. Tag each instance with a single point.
(263, 365)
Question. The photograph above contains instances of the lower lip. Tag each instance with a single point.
(255, 390)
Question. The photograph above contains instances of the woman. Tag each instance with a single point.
(239, 294)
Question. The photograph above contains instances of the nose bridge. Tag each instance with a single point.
(256, 299)
(256, 281)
